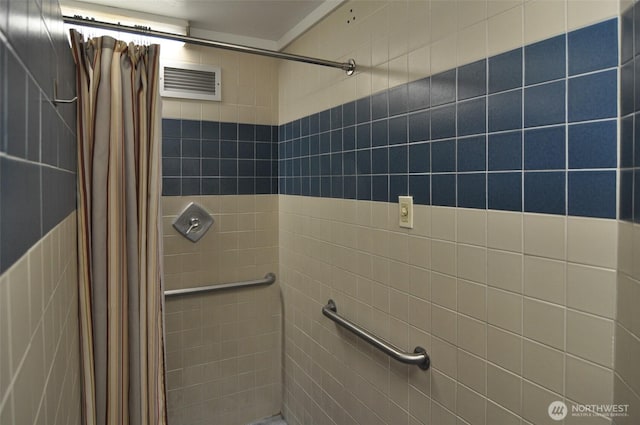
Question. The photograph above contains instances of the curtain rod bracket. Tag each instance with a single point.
(56, 101)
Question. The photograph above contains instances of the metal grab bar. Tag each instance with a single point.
(419, 357)
(268, 279)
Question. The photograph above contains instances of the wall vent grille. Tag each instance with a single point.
(190, 81)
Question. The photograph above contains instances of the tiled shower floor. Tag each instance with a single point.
(274, 420)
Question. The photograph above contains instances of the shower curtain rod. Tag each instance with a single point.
(349, 67)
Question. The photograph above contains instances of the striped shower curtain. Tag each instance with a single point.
(119, 239)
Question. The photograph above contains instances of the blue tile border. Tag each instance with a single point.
(511, 132)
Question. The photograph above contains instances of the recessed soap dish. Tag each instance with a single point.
(193, 222)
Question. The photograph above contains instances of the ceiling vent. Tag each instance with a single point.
(190, 81)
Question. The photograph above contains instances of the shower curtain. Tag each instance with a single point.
(119, 239)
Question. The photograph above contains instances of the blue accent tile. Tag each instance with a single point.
(314, 144)
(170, 167)
(419, 157)
(304, 127)
(636, 79)
(336, 187)
(505, 151)
(325, 165)
(325, 142)
(246, 168)
(349, 114)
(314, 124)
(295, 129)
(262, 185)
(626, 36)
(314, 186)
(247, 132)
(170, 148)
(472, 80)
(505, 111)
(626, 141)
(349, 162)
(472, 154)
(263, 168)
(419, 94)
(171, 186)
(336, 117)
(210, 186)
(228, 131)
(593, 96)
(398, 100)
(228, 149)
(171, 128)
(336, 164)
(379, 161)
(350, 187)
(636, 24)
(398, 130)
(191, 148)
(348, 138)
(505, 71)
(626, 95)
(504, 191)
(325, 120)
(592, 193)
(443, 122)
(363, 110)
(398, 186)
(190, 186)
(420, 189)
(626, 195)
(210, 149)
(636, 142)
(544, 148)
(544, 192)
(228, 186)
(443, 156)
(263, 132)
(419, 126)
(379, 133)
(379, 105)
(544, 104)
(545, 60)
(364, 162)
(336, 141)
(593, 145)
(363, 136)
(472, 190)
(380, 188)
(398, 159)
(211, 130)
(443, 190)
(364, 187)
(472, 116)
(247, 150)
(443, 88)
(314, 162)
(593, 48)
(263, 150)
(210, 167)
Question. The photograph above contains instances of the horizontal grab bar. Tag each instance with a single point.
(268, 279)
(419, 357)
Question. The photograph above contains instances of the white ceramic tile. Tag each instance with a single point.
(441, 57)
(472, 226)
(544, 279)
(506, 31)
(443, 223)
(592, 241)
(472, 299)
(472, 43)
(588, 383)
(591, 289)
(581, 13)
(543, 19)
(504, 349)
(444, 18)
(443, 290)
(504, 388)
(590, 337)
(544, 235)
(443, 257)
(504, 309)
(504, 230)
(471, 12)
(504, 270)
(544, 322)
(472, 263)
(543, 365)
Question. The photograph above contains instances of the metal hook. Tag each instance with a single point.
(57, 101)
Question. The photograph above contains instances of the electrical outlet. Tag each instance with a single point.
(405, 211)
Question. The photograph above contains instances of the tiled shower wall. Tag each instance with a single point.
(224, 349)
(39, 357)
(627, 377)
(509, 275)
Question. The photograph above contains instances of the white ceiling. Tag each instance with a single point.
(270, 24)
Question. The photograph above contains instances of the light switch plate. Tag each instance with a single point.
(405, 211)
